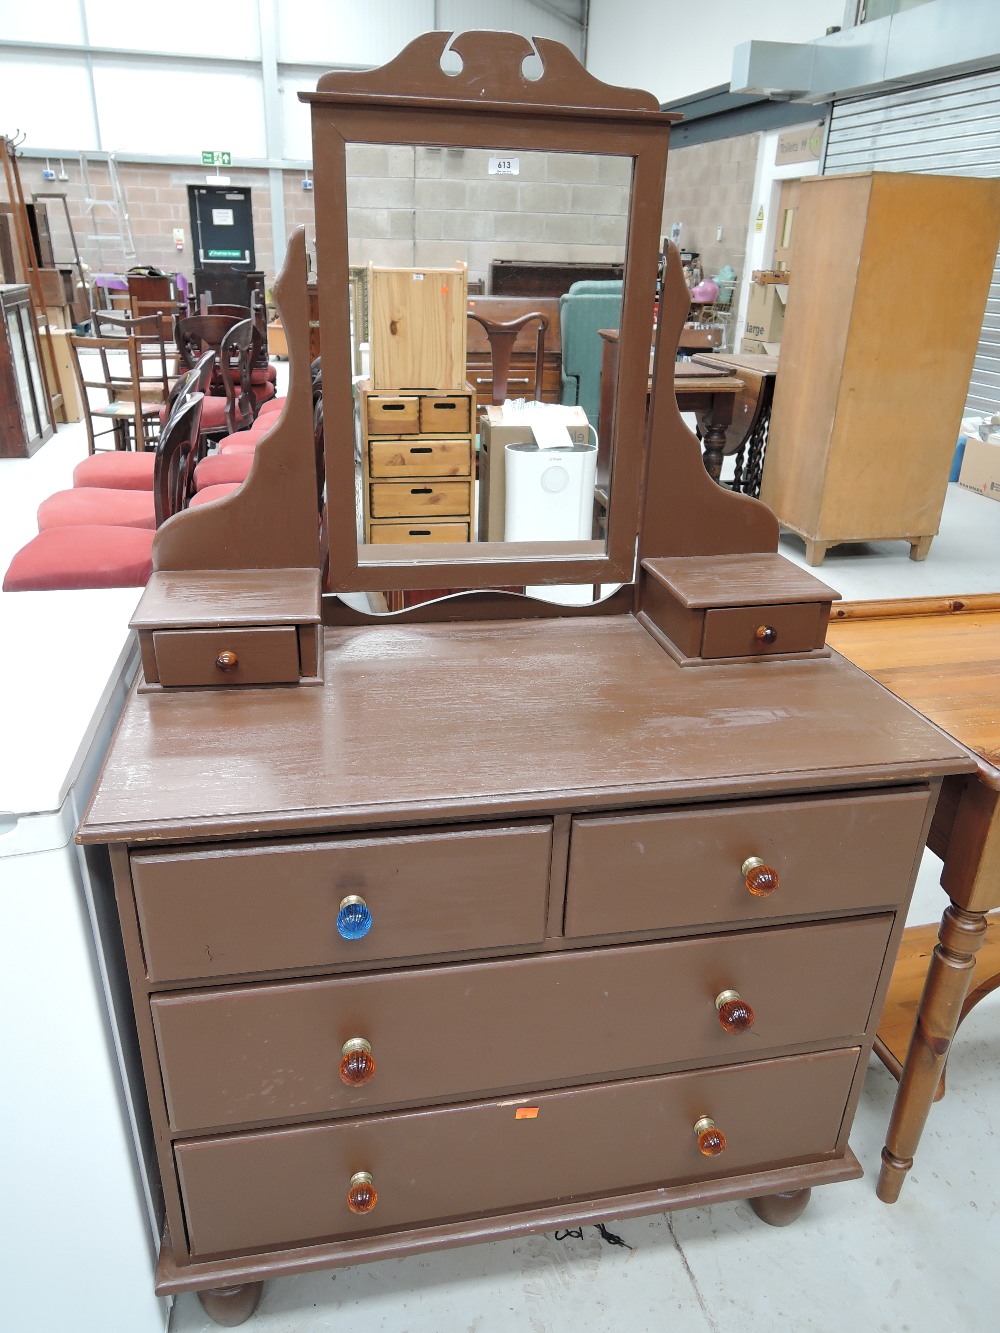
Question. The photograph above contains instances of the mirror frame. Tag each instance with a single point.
(489, 104)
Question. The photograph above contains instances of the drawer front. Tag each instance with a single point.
(731, 631)
(273, 906)
(448, 415)
(285, 1187)
(379, 533)
(405, 499)
(393, 414)
(682, 867)
(263, 656)
(420, 458)
(246, 1054)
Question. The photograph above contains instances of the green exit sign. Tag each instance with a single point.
(216, 159)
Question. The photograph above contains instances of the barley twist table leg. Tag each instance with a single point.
(940, 1009)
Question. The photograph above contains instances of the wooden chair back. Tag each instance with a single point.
(175, 458)
(502, 335)
(130, 377)
(238, 355)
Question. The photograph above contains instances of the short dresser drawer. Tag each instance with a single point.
(449, 415)
(762, 631)
(420, 499)
(271, 906)
(284, 1187)
(393, 414)
(259, 656)
(683, 867)
(415, 531)
(420, 458)
(239, 1055)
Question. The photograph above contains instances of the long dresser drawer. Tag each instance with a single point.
(244, 1054)
(678, 868)
(258, 907)
(287, 1186)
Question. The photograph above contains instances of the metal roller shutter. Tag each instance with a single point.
(948, 127)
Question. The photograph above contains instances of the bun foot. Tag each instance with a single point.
(778, 1210)
(230, 1306)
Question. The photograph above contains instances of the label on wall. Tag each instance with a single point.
(801, 145)
(505, 166)
(222, 217)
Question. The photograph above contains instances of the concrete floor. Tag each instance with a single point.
(851, 1264)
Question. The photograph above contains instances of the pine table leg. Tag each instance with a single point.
(947, 984)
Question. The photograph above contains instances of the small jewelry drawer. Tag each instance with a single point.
(498, 1156)
(267, 656)
(253, 907)
(393, 414)
(412, 530)
(762, 631)
(449, 414)
(420, 458)
(416, 499)
(685, 867)
(252, 1054)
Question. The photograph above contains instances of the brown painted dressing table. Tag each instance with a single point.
(499, 915)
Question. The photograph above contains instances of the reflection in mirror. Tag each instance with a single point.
(478, 386)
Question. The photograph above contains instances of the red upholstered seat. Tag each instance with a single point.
(213, 414)
(93, 506)
(220, 468)
(272, 408)
(116, 471)
(263, 375)
(83, 557)
(211, 493)
(245, 441)
(262, 392)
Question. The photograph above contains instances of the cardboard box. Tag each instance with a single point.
(981, 467)
(494, 436)
(754, 347)
(766, 311)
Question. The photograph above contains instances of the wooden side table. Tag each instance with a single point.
(943, 657)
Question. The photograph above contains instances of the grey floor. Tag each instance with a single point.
(929, 1262)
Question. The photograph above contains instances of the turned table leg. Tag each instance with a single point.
(779, 1210)
(938, 1015)
(230, 1306)
(713, 444)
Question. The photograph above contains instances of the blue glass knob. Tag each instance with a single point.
(354, 920)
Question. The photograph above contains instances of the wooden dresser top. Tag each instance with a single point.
(439, 722)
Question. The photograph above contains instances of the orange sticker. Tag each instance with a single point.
(526, 1113)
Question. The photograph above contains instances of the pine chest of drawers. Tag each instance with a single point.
(411, 969)
(418, 465)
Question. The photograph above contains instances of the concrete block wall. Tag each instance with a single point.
(412, 206)
(711, 186)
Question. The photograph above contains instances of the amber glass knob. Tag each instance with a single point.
(735, 1014)
(361, 1195)
(760, 879)
(711, 1141)
(227, 661)
(357, 1067)
(765, 634)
